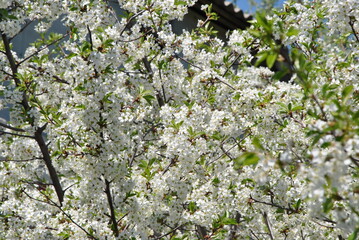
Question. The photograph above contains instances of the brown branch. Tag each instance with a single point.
(112, 209)
(47, 159)
(229, 67)
(320, 106)
(73, 221)
(289, 210)
(134, 39)
(15, 134)
(352, 20)
(20, 160)
(38, 133)
(10, 57)
(130, 20)
(266, 220)
(42, 70)
(90, 37)
(254, 234)
(36, 199)
(166, 234)
(191, 64)
(149, 70)
(355, 161)
(21, 30)
(11, 128)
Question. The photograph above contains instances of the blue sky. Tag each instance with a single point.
(244, 4)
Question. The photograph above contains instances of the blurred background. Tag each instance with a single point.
(250, 6)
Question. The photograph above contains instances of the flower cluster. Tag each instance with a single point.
(118, 128)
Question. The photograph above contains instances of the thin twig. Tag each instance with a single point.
(289, 210)
(235, 60)
(134, 39)
(320, 106)
(52, 203)
(70, 218)
(42, 48)
(22, 160)
(186, 61)
(15, 134)
(11, 128)
(352, 20)
(166, 234)
(266, 220)
(355, 161)
(254, 234)
(21, 30)
(130, 20)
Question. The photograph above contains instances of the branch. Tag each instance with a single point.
(225, 83)
(355, 161)
(70, 218)
(235, 60)
(186, 61)
(15, 134)
(21, 30)
(38, 134)
(177, 56)
(148, 67)
(130, 20)
(22, 160)
(112, 209)
(36, 199)
(314, 97)
(352, 20)
(52, 203)
(10, 57)
(254, 234)
(40, 49)
(134, 39)
(166, 234)
(266, 220)
(42, 70)
(227, 152)
(289, 210)
(11, 128)
(47, 159)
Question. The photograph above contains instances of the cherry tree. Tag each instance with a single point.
(121, 129)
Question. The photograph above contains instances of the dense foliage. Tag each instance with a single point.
(121, 129)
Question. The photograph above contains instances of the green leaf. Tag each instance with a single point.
(256, 142)
(354, 235)
(297, 204)
(261, 57)
(4, 14)
(255, 33)
(246, 159)
(297, 108)
(229, 221)
(292, 32)
(261, 19)
(179, 2)
(280, 74)
(192, 207)
(346, 92)
(71, 55)
(149, 98)
(217, 136)
(271, 58)
(328, 205)
(216, 181)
